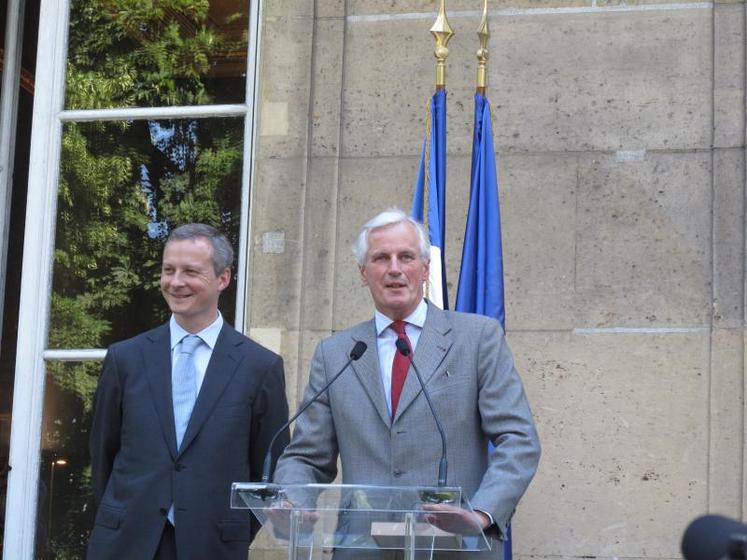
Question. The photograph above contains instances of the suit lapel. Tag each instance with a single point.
(434, 343)
(220, 371)
(368, 371)
(157, 359)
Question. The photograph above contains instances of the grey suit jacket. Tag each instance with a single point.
(470, 375)
(137, 472)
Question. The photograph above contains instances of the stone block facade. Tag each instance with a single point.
(620, 141)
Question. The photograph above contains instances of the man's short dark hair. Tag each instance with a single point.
(222, 250)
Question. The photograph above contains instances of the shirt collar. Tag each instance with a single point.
(416, 318)
(209, 334)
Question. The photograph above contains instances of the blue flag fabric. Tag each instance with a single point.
(480, 288)
(430, 193)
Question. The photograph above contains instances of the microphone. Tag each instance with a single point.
(713, 537)
(358, 350)
(404, 349)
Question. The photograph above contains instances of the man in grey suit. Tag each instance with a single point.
(180, 413)
(386, 435)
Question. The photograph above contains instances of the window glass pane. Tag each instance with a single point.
(123, 186)
(129, 53)
(65, 510)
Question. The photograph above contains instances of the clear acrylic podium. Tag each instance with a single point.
(359, 521)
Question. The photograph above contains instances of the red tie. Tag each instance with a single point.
(400, 365)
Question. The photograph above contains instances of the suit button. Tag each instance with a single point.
(179, 467)
(397, 472)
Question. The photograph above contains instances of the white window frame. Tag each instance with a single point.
(41, 214)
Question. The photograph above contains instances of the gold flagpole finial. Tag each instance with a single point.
(441, 30)
(483, 34)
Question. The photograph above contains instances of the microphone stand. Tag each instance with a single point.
(358, 350)
(443, 466)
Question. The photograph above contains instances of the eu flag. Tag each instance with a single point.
(480, 287)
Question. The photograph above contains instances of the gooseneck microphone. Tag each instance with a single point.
(715, 537)
(404, 349)
(358, 350)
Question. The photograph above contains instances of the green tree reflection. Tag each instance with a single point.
(122, 186)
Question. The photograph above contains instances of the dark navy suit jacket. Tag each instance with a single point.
(137, 472)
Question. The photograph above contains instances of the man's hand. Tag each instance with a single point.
(454, 519)
(279, 515)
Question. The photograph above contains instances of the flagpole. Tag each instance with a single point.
(483, 34)
(429, 198)
(442, 32)
(494, 282)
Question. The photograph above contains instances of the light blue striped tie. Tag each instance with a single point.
(184, 385)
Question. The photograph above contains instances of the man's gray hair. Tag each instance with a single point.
(390, 217)
(222, 250)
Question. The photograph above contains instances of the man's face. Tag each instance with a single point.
(395, 270)
(189, 283)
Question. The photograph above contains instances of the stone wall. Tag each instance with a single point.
(620, 138)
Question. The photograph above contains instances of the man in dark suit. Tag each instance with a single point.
(375, 417)
(180, 413)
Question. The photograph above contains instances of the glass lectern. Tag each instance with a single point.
(359, 521)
